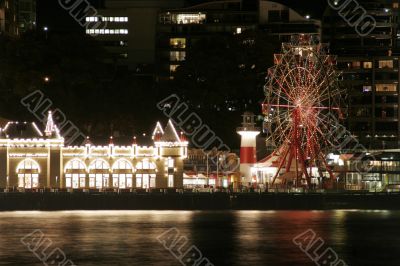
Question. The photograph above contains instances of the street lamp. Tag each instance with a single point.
(208, 177)
(45, 29)
(337, 184)
(217, 180)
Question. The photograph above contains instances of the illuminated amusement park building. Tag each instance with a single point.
(32, 159)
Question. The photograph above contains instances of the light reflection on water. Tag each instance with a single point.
(225, 237)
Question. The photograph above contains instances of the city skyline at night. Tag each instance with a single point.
(199, 132)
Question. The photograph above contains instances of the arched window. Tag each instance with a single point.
(146, 165)
(75, 174)
(122, 174)
(99, 174)
(28, 172)
(145, 174)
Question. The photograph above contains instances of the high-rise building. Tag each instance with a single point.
(17, 16)
(129, 28)
(179, 29)
(283, 22)
(370, 64)
(160, 33)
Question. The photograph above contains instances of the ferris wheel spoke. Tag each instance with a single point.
(303, 102)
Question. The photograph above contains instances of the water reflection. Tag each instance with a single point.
(225, 237)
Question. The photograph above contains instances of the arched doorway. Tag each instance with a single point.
(75, 174)
(99, 174)
(145, 174)
(122, 174)
(28, 172)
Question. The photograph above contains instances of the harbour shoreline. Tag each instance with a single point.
(48, 201)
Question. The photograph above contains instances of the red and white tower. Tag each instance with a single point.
(248, 156)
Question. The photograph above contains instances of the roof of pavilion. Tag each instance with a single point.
(170, 134)
(21, 130)
(3, 122)
(29, 130)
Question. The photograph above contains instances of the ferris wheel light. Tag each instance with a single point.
(303, 88)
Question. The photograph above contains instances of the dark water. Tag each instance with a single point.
(225, 238)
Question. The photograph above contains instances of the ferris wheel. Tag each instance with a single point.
(302, 106)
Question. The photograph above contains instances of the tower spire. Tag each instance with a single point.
(50, 126)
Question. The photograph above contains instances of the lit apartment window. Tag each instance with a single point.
(367, 88)
(196, 18)
(177, 56)
(172, 68)
(386, 87)
(238, 30)
(177, 43)
(108, 19)
(395, 5)
(367, 64)
(385, 63)
(106, 31)
(92, 19)
(115, 19)
(356, 64)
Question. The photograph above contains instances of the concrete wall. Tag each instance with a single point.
(266, 6)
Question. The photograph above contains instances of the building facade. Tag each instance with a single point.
(380, 171)
(283, 22)
(179, 29)
(373, 171)
(130, 30)
(370, 66)
(31, 159)
(373, 99)
(157, 35)
(17, 16)
(211, 169)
